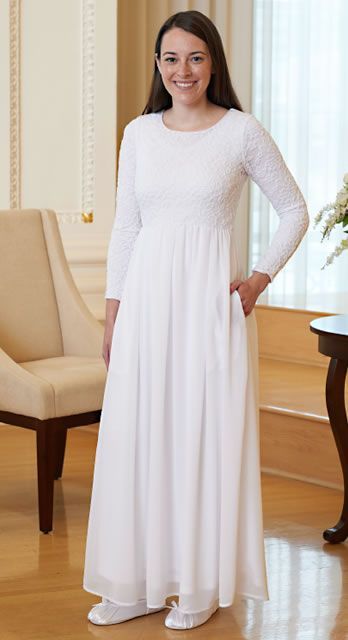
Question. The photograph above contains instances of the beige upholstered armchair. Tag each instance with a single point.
(52, 374)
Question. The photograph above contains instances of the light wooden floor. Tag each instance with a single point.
(41, 596)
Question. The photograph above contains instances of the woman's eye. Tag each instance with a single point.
(193, 58)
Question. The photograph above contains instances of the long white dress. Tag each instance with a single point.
(176, 503)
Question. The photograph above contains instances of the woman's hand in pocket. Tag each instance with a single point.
(250, 289)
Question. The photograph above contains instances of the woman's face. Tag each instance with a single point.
(185, 65)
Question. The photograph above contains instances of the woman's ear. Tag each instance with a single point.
(157, 62)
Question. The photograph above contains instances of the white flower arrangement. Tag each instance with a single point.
(337, 214)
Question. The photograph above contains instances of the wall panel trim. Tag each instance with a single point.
(15, 110)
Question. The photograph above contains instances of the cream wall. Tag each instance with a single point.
(72, 74)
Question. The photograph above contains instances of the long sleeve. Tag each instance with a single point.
(264, 163)
(127, 221)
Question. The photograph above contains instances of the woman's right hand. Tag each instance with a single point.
(110, 319)
(107, 344)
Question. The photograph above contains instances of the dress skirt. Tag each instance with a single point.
(176, 503)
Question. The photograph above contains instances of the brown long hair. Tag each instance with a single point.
(219, 90)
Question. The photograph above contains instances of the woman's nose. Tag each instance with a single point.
(184, 69)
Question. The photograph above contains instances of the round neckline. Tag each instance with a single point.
(164, 126)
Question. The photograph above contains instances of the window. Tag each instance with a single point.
(300, 94)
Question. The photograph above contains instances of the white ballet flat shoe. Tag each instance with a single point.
(107, 612)
(179, 619)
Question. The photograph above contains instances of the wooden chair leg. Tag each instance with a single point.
(45, 446)
(60, 452)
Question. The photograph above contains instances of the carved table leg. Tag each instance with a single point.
(335, 402)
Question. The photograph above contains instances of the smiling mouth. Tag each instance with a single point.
(185, 85)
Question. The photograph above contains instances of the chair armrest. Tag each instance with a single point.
(23, 393)
(82, 334)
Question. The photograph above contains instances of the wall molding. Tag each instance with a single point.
(15, 103)
(88, 57)
(74, 217)
(88, 110)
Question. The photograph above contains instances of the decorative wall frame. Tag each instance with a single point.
(87, 198)
(88, 110)
(15, 111)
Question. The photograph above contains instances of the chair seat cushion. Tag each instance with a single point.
(77, 384)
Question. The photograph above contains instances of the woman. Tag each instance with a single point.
(176, 502)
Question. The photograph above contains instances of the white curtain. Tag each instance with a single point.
(300, 94)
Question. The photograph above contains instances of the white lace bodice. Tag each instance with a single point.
(172, 177)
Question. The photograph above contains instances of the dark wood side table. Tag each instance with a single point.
(333, 342)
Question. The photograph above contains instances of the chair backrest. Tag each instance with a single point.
(29, 317)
